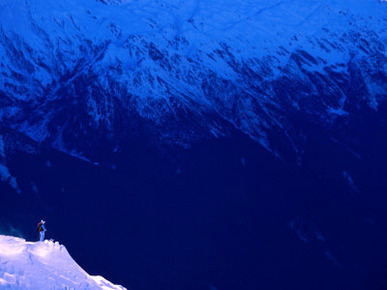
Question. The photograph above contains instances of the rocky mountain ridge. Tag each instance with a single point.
(80, 73)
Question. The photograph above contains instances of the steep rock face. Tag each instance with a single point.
(80, 73)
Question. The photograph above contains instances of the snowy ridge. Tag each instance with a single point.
(185, 70)
(43, 265)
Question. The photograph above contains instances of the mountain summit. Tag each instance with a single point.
(43, 265)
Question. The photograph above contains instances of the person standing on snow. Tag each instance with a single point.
(41, 230)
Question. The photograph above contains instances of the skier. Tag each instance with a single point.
(41, 230)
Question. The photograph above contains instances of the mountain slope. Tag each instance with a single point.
(272, 115)
(43, 265)
(80, 73)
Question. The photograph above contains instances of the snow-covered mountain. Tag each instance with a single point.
(210, 83)
(43, 265)
(79, 73)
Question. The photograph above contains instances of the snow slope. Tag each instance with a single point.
(186, 70)
(43, 265)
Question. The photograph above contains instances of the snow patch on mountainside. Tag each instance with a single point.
(5, 175)
(43, 265)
